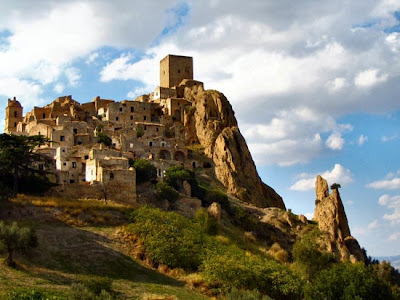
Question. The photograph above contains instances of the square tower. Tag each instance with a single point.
(14, 112)
(175, 68)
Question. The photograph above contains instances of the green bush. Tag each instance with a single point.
(208, 224)
(176, 175)
(166, 192)
(309, 260)
(230, 267)
(348, 281)
(104, 138)
(145, 170)
(139, 132)
(244, 219)
(81, 292)
(31, 295)
(168, 238)
(216, 195)
(236, 294)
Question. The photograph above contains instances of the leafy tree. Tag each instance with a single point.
(19, 161)
(348, 281)
(13, 237)
(104, 138)
(308, 258)
(165, 191)
(145, 170)
(176, 175)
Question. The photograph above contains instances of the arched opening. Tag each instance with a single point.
(194, 165)
(44, 116)
(164, 154)
(177, 115)
(179, 156)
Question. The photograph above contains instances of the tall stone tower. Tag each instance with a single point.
(14, 112)
(174, 68)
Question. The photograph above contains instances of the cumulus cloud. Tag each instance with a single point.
(369, 78)
(392, 203)
(388, 184)
(335, 141)
(338, 174)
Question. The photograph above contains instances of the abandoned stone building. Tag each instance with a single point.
(153, 126)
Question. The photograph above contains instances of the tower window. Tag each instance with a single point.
(62, 138)
(131, 117)
(120, 109)
(144, 118)
(74, 165)
(15, 114)
(132, 109)
(15, 124)
(116, 118)
(44, 116)
(75, 130)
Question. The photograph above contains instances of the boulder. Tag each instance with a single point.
(215, 211)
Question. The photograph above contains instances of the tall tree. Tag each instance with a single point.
(18, 158)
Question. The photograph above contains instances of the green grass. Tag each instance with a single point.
(67, 254)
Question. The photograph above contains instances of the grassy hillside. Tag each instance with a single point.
(78, 240)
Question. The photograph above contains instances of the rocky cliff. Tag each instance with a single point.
(331, 217)
(214, 125)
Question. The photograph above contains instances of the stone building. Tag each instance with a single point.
(150, 127)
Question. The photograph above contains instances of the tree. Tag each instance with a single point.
(145, 170)
(13, 237)
(18, 159)
(104, 138)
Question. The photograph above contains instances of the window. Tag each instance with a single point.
(151, 144)
(116, 118)
(75, 130)
(132, 109)
(63, 150)
(44, 116)
(145, 127)
(79, 142)
(157, 129)
(144, 118)
(15, 124)
(64, 163)
(86, 156)
(131, 145)
(62, 138)
(41, 167)
(111, 176)
(72, 181)
(15, 114)
(74, 165)
(120, 109)
(179, 71)
(131, 117)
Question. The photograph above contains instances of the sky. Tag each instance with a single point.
(315, 85)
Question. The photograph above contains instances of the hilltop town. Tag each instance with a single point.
(153, 126)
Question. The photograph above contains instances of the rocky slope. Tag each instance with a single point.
(214, 124)
(331, 217)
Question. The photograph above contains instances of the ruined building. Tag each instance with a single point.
(161, 126)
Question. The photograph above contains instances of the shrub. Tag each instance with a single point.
(307, 256)
(166, 192)
(236, 294)
(139, 132)
(145, 170)
(104, 138)
(176, 175)
(13, 237)
(244, 219)
(216, 195)
(81, 292)
(231, 267)
(208, 224)
(168, 238)
(30, 295)
(348, 281)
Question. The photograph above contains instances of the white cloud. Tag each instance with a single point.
(373, 225)
(73, 76)
(394, 237)
(369, 78)
(338, 174)
(137, 92)
(309, 216)
(335, 141)
(91, 58)
(393, 203)
(389, 138)
(362, 139)
(337, 84)
(389, 184)
(59, 88)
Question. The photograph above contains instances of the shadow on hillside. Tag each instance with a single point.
(66, 250)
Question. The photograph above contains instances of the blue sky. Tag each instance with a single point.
(315, 84)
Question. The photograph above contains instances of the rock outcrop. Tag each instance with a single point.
(331, 217)
(216, 130)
